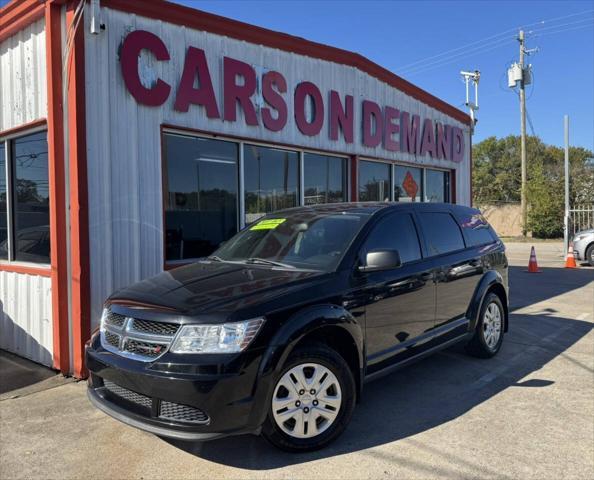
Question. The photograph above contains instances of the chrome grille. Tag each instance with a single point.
(128, 395)
(156, 328)
(182, 413)
(115, 319)
(142, 340)
(147, 349)
(112, 338)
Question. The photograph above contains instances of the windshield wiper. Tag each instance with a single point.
(214, 258)
(265, 261)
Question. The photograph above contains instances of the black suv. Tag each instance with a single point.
(279, 329)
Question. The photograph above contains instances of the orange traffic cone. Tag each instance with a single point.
(570, 259)
(532, 264)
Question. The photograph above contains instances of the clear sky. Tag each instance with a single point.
(396, 34)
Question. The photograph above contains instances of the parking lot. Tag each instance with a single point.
(528, 413)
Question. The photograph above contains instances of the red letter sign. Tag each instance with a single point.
(409, 133)
(203, 95)
(133, 44)
(341, 116)
(372, 138)
(302, 91)
(275, 100)
(391, 128)
(428, 139)
(239, 93)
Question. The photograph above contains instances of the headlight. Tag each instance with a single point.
(577, 238)
(223, 338)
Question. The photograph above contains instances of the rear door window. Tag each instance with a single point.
(442, 233)
(477, 230)
(395, 232)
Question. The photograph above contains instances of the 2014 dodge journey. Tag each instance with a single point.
(278, 330)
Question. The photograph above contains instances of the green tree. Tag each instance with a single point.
(497, 178)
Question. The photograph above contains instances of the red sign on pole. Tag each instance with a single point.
(410, 186)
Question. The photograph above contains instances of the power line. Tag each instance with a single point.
(455, 58)
(486, 42)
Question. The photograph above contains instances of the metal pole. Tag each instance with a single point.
(523, 137)
(566, 220)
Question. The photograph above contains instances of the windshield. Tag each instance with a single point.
(310, 240)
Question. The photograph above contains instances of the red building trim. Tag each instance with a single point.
(17, 15)
(26, 269)
(57, 190)
(42, 122)
(208, 22)
(80, 291)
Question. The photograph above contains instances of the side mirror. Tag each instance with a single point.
(377, 260)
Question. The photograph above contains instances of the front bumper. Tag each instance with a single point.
(226, 389)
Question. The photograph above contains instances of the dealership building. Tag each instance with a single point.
(138, 135)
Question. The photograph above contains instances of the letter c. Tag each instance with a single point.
(133, 44)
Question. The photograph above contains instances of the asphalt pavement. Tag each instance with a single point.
(527, 413)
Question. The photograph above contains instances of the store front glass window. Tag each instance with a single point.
(324, 179)
(201, 195)
(374, 181)
(437, 186)
(271, 179)
(408, 184)
(31, 198)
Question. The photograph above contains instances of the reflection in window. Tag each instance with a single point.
(3, 219)
(374, 181)
(271, 178)
(437, 186)
(201, 195)
(408, 184)
(324, 179)
(31, 198)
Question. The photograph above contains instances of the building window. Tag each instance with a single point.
(271, 179)
(24, 199)
(437, 186)
(408, 184)
(374, 181)
(201, 208)
(324, 179)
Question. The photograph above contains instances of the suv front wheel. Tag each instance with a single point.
(312, 401)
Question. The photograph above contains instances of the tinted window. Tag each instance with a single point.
(305, 239)
(31, 198)
(477, 230)
(441, 232)
(437, 186)
(324, 179)
(374, 181)
(3, 219)
(408, 184)
(201, 196)
(395, 232)
(271, 178)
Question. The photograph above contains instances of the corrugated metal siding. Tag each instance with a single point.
(124, 149)
(23, 85)
(26, 316)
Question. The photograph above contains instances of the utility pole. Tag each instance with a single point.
(566, 222)
(523, 136)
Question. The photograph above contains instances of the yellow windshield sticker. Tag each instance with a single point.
(269, 224)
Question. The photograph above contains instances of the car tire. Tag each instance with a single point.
(488, 334)
(294, 428)
(590, 255)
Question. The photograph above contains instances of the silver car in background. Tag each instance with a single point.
(583, 246)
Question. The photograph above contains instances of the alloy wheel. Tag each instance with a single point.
(492, 325)
(306, 400)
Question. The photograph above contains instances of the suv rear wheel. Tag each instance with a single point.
(312, 401)
(488, 334)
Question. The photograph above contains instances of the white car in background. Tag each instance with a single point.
(583, 246)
